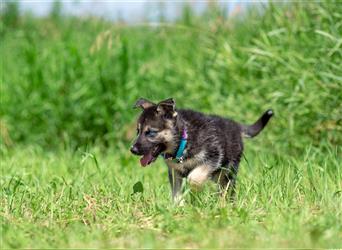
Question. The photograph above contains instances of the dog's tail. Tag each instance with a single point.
(257, 127)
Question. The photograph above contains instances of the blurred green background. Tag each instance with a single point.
(72, 81)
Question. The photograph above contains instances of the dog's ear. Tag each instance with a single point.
(143, 103)
(167, 108)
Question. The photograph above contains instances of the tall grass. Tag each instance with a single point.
(73, 80)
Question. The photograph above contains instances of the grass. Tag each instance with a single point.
(67, 87)
(69, 199)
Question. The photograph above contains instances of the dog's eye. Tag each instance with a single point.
(151, 133)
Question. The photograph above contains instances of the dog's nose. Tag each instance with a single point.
(134, 150)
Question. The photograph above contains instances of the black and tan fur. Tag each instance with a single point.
(214, 146)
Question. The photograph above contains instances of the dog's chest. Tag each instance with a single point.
(181, 167)
(187, 164)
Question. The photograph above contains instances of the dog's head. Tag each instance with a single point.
(156, 130)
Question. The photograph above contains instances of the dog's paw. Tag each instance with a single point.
(179, 201)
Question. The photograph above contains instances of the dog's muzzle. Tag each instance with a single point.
(135, 150)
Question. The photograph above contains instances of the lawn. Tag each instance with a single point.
(67, 88)
(86, 199)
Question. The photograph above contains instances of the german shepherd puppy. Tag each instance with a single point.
(194, 145)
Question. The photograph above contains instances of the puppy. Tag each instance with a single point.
(195, 146)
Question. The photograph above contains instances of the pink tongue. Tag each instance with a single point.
(146, 159)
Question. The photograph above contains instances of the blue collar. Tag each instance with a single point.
(182, 145)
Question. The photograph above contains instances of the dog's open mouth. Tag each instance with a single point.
(151, 156)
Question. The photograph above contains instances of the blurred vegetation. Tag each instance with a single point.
(70, 81)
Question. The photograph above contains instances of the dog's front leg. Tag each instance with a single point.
(198, 176)
(176, 181)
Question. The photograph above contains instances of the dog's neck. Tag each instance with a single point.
(179, 130)
(180, 124)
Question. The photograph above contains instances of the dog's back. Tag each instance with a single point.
(220, 137)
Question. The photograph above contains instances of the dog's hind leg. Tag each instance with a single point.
(226, 179)
(176, 181)
(232, 175)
